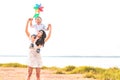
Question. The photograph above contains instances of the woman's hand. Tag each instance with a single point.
(49, 24)
(49, 27)
(30, 19)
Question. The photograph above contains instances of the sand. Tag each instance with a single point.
(21, 73)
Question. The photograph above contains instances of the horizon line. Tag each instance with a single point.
(77, 56)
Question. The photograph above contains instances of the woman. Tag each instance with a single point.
(37, 41)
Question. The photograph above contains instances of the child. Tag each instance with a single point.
(38, 26)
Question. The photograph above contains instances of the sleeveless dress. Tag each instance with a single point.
(34, 58)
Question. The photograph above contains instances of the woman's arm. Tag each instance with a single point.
(49, 34)
(31, 25)
(26, 29)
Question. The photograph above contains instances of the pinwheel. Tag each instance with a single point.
(38, 8)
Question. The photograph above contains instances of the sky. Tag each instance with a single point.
(79, 27)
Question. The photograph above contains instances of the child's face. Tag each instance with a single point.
(38, 20)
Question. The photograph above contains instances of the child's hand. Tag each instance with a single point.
(30, 19)
(49, 25)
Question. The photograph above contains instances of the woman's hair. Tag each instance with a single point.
(41, 40)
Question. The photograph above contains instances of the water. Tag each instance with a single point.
(62, 61)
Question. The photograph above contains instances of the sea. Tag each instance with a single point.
(63, 61)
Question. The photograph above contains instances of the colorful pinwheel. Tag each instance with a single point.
(38, 8)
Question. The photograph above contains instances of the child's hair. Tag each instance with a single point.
(38, 17)
(41, 40)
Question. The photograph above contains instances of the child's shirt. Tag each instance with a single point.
(39, 27)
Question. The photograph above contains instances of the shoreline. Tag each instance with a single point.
(76, 61)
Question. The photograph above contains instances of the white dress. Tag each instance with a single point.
(34, 58)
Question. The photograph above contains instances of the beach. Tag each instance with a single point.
(96, 61)
(11, 73)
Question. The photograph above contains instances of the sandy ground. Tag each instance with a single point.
(21, 73)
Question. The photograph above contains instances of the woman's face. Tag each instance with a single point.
(40, 33)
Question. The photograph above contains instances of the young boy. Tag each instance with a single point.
(38, 26)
